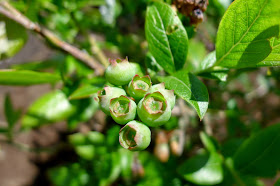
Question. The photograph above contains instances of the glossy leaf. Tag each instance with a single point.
(274, 57)
(26, 77)
(84, 92)
(11, 114)
(190, 88)
(259, 155)
(166, 36)
(203, 169)
(242, 39)
(49, 108)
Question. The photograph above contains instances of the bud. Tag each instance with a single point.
(135, 136)
(120, 72)
(153, 109)
(122, 109)
(168, 94)
(106, 95)
(139, 86)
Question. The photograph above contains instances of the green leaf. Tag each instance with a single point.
(242, 38)
(274, 57)
(166, 36)
(12, 37)
(49, 108)
(84, 92)
(85, 151)
(190, 88)
(72, 175)
(259, 155)
(196, 55)
(26, 77)
(208, 142)
(205, 68)
(85, 109)
(11, 114)
(203, 169)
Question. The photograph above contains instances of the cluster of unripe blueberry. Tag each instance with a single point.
(147, 106)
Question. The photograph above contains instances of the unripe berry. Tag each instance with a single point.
(139, 86)
(106, 95)
(168, 94)
(135, 136)
(120, 72)
(122, 109)
(154, 110)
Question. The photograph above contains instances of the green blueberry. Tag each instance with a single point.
(168, 94)
(122, 109)
(120, 72)
(106, 95)
(135, 136)
(153, 109)
(138, 86)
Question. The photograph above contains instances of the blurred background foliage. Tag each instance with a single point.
(239, 107)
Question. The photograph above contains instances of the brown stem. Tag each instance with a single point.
(10, 12)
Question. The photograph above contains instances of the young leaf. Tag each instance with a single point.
(242, 39)
(51, 107)
(84, 92)
(166, 36)
(274, 57)
(190, 88)
(259, 155)
(203, 169)
(11, 115)
(26, 77)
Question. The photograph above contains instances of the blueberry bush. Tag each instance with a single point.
(189, 89)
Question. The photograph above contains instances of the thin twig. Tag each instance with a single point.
(97, 51)
(10, 12)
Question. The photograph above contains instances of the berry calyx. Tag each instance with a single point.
(122, 109)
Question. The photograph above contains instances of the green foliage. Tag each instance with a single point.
(166, 36)
(273, 58)
(26, 77)
(244, 33)
(51, 107)
(84, 91)
(204, 168)
(259, 154)
(12, 115)
(190, 88)
(12, 37)
(243, 146)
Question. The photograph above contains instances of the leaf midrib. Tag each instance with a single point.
(217, 63)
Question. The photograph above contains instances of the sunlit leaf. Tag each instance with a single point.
(244, 33)
(190, 88)
(166, 36)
